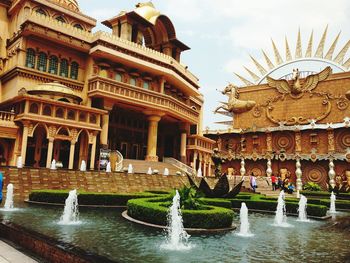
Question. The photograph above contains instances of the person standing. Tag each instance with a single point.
(253, 182)
(273, 182)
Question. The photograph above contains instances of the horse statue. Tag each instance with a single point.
(234, 104)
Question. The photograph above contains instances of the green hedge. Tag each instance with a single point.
(324, 194)
(86, 198)
(260, 202)
(341, 204)
(220, 202)
(151, 210)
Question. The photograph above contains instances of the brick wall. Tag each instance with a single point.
(27, 179)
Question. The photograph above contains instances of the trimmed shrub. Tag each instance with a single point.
(341, 204)
(260, 202)
(311, 186)
(325, 194)
(86, 198)
(152, 210)
(220, 202)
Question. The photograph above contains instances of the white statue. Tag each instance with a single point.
(149, 170)
(331, 174)
(199, 172)
(19, 162)
(166, 172)
(130, 169)
(53, 165)
(83, 166)
(269, 169)
(108, 167)
(242, 170)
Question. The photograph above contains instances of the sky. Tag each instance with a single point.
(222, 34)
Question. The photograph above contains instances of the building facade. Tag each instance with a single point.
(66, 92)
(298, 122)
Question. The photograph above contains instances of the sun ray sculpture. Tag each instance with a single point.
(333, 58)
(312, 53)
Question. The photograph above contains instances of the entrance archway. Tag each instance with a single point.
(82, 150)
(37, 148)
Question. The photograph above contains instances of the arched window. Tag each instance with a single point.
(71, 115)
(59, 113)
(146, 85)
(42, 61)
(34, 108)
(53, 65)
(64, 68)
(133, 81)
(92, 118)
(82, 116)
(74, 70)
(30, 59)
(41, 11)
(78, 26)
(118, 77)
(47, 110)
(61, 19)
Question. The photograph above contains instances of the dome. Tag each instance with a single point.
(69, 4)
(147, 11)
(56, 89)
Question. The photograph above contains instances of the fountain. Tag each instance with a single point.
(166, 172)
(108, 167)
(302, 209)
(9, 198)
(70, 214)
(281, 217)
(53, 165)
(83, 166)
(244, 227)
(149, 170)
(19, 162)
(332, 205)
(177, 237)
(130, 169)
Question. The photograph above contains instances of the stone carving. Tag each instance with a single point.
(218, 159)
(234, 104)
(295, 88)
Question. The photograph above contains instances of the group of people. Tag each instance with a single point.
(276, 182)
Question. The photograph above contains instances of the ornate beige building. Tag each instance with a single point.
(296, 125)
(66, 92)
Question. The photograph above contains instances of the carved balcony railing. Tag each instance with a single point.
(200, 143)
(99, 86)
(8, 128)
(6, 116)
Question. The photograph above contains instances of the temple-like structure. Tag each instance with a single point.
(66, 93)
(296, 125)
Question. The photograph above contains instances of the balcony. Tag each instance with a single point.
(8, 128)
(144, 99)
(200, 143)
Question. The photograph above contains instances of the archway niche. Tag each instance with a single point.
(37, 148)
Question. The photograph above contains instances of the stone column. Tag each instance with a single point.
(49, 153)
(298, 174)
(24, 143)
(269, 170)
(125, 30)
(104, 132)
(183, 147)
(93, 153)
(152, 138)
(195, 154)
(242, 170)
(209, 167)
(161, 84)
(71, 155)
(331, 174)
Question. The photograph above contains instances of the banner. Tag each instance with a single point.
(104, 158)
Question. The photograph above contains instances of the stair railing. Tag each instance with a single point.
(183, 167)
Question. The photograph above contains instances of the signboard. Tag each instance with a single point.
(104, 158)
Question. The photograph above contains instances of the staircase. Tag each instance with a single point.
(141, 166)
(264, 187)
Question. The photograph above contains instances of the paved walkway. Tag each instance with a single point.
(9, 254)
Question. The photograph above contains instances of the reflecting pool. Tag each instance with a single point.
(106, 233)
